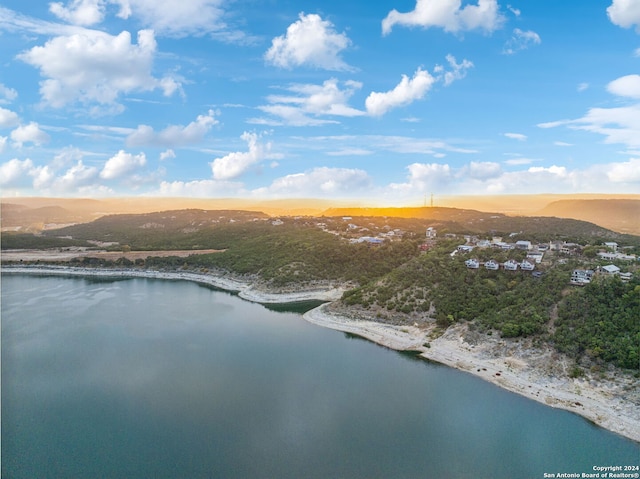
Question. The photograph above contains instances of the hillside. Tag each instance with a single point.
(472, 221)
(621, 215)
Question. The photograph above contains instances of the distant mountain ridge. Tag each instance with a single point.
(621, 215)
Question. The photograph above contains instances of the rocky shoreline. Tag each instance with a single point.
(611, 404)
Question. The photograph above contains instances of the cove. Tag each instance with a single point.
(144, 378)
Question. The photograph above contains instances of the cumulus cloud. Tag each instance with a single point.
(30, 133)
(96, 67)
(79, 12)
(78, 176)
(7, 95)
(627, 86)
(3, 144)
(406, 92)
(625, 172)
(625, 13)
(236, 163)
(13, 171)
(521, 40)
(305, 103)
(122, 164)
(516, 136)
(309, 41)
(8, 118)
(449, 15)
(483, 170)
(174, 135)
(322, 181)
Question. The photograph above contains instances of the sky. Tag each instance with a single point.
(385, 101)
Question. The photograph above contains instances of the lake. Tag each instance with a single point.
(143, 378)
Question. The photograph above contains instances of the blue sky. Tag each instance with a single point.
(379, 101)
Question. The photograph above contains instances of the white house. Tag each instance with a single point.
(465, 248)
(510, 265)
(525, 245)
(613, 245)
(527, 265)
(431, 232)
(472, 264)
(492, 265)
(610, 269)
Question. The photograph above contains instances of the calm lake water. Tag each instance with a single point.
(147, 378)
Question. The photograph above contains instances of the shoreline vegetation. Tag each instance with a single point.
(506, 363)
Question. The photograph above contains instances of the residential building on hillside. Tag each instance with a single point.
(510, 265)
(580, 277)
(492, 265)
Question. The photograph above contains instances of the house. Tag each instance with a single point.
(612, 245)
(465, 248)
(525, 245)
(536, 257)
(510, 265)
(492, 265)
(580, 277)
(527, 265)
(472, 264)
(277, 222)
(431, 232)
(610, 269)
(625, 277)
(483, 243)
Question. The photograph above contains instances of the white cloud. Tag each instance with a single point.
(618, 125)
(165, 155)
(236, 163)
(79, 12)
(513, 10)
(96, 67)
(174, 135)
(7, 95)
(181, 18)
(448, 15)
(519, 161)
(13, 171)
(625, 13)
(320, 182)
(627, 86)
(78, 176)
(516, 136)
(3, 144)
(636, 52)
(30, 133)
(627, 172)
(406, 92)
(200, 189)
(307, 102)
(521, 40)
(8, 118)
(458, 70)
(309, 41)
(583, 86)
(350, 152)
(122, 164)
(562, 143)
(483, 170)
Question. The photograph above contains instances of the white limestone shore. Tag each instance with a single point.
(600, 402)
